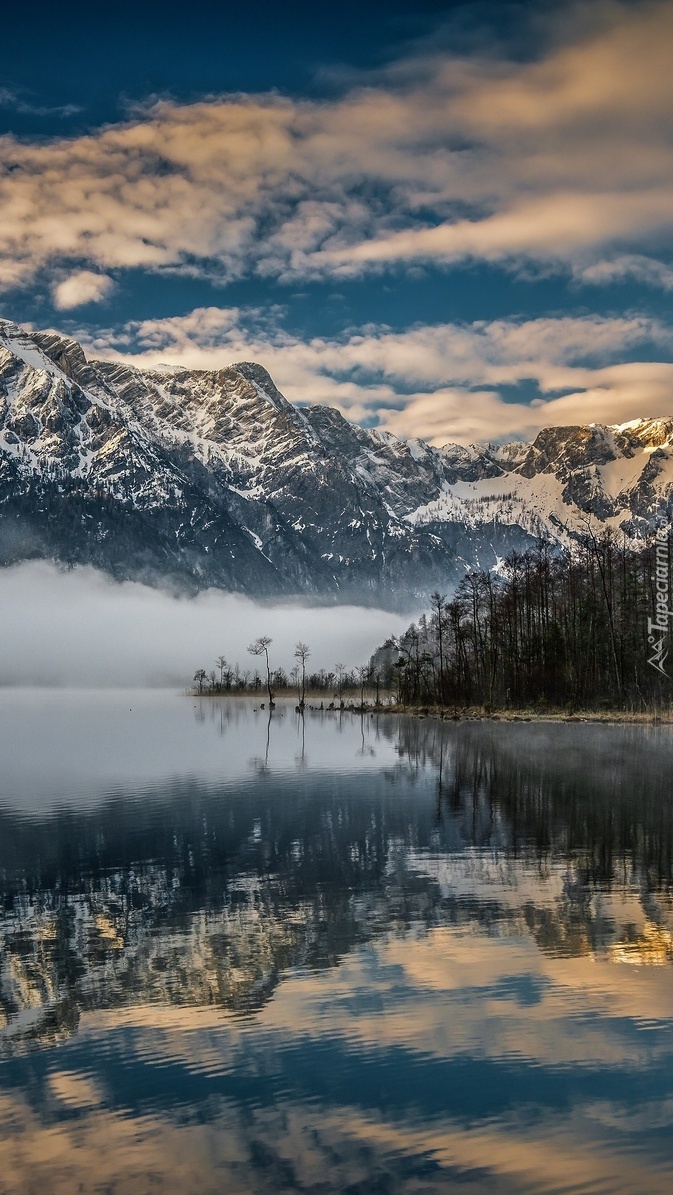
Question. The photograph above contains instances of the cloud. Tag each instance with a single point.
(442, 382)
(563, 162)
(549, 226)
(82, 287)
(96, 632)
(609, 396)
(628, 266)
(15, 101)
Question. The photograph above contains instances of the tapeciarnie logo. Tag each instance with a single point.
(658, 627)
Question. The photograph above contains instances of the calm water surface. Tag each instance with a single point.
(332, 954)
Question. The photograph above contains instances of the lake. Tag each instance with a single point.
(332, 953)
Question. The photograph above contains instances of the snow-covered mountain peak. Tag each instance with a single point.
(650, 433)
(261, 380)
(212, 477)
(23, 346)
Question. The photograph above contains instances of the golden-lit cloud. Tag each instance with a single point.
(612, 395)
(561, 162)
(440, 382)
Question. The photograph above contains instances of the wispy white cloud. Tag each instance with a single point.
(627, 266)
(17, 102)
(564, 162)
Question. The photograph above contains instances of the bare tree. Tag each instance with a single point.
(438, 606)
(363, 675)
(221, 664)
(301, 654)
(200, 676)
(260, 647)
(340, 670)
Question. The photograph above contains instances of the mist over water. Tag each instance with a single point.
(80, 628)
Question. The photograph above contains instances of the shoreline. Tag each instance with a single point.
(464, 714)
(608, 717)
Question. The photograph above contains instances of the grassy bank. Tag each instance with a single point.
(475, 713)
(327, 703)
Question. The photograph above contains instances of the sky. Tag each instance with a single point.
(449, 220)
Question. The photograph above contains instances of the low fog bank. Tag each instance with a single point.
(81, 629)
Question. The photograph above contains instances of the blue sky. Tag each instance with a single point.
(453, 220)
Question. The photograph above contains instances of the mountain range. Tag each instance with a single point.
(196, 478)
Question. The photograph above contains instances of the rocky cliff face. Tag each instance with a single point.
(198, 478)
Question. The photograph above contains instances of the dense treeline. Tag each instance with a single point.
(550, 627)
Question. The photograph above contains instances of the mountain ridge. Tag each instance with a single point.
(197, 478)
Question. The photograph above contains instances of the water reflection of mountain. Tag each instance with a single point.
(203, 895)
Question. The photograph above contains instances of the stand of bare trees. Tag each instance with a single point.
(554, 628)
(228, 678)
